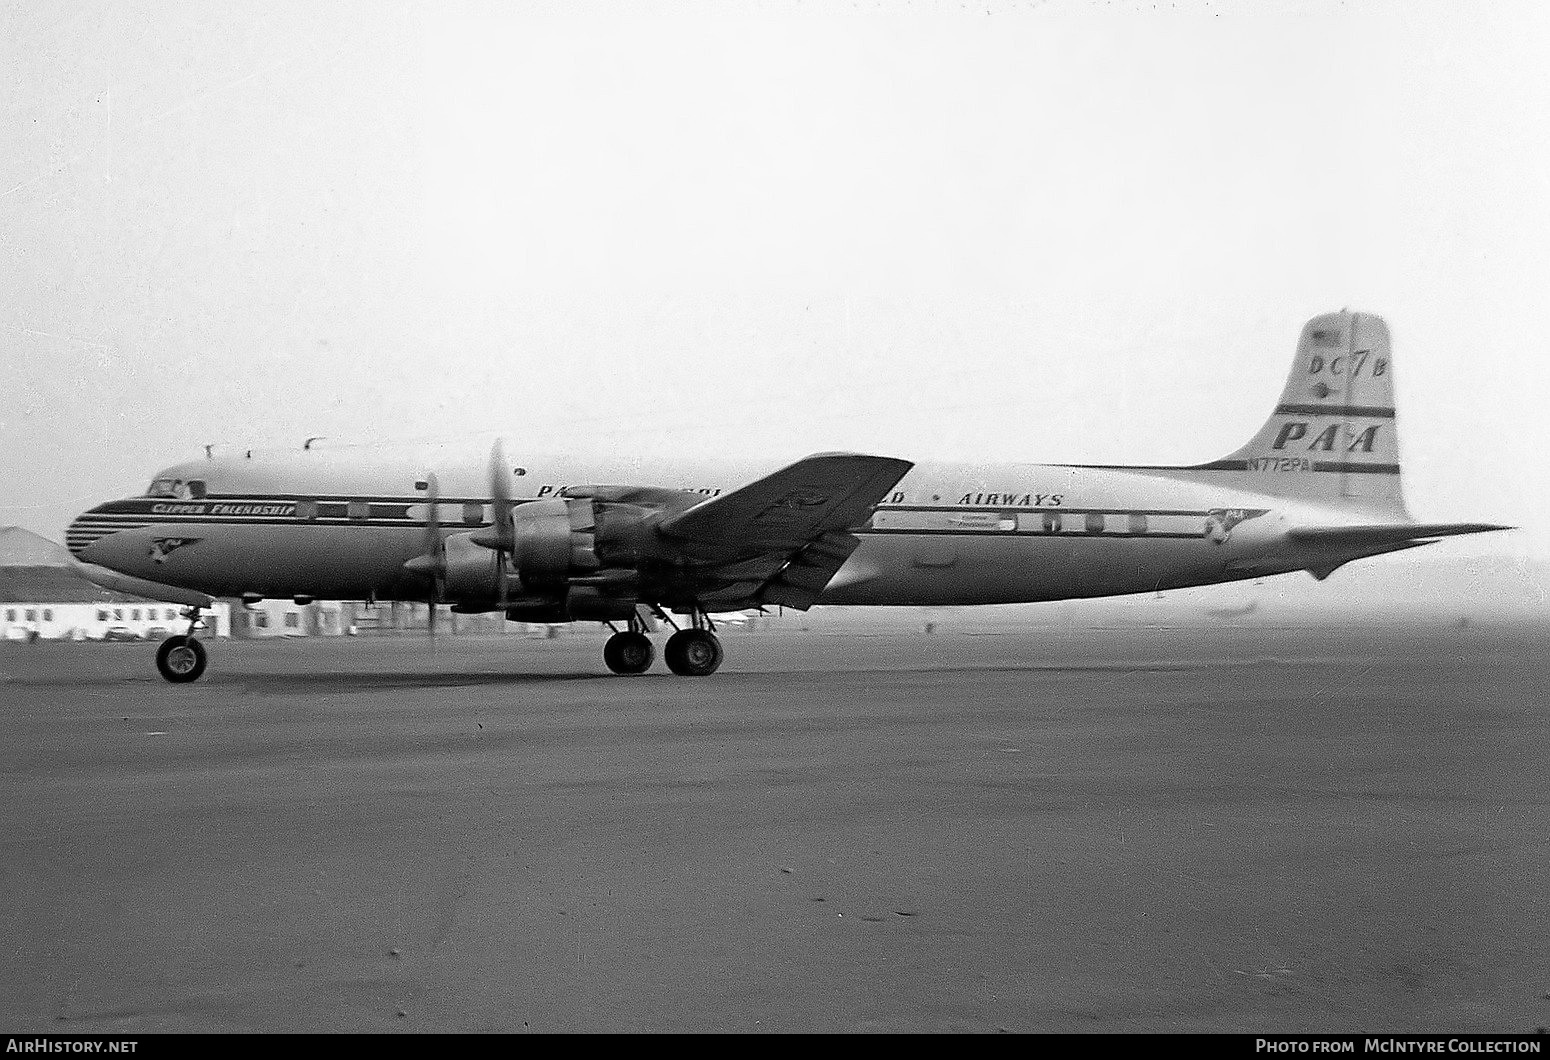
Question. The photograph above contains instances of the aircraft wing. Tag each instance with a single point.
(1344, 537)
(780, 539)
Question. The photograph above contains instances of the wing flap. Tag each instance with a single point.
(772, 579)
(733, 594)
(801, 581)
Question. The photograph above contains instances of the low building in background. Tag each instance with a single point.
(54, 603)
(286, 618)
(400, 617)
(332, 618)
(43, 598)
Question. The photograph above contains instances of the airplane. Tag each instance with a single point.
(633, 541)
(1241, 611)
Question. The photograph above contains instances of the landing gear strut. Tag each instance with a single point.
(694, 652)
(182, 658)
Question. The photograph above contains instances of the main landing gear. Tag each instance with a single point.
(694, 652)
(182, 658)
(629, 652)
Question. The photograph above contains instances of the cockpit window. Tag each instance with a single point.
(172, 487)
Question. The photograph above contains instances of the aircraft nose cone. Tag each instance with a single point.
(86, 530)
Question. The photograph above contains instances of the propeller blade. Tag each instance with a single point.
(431, 546)
(500, 498)
(500, 494)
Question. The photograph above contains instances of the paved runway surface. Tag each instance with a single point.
(1055, 829)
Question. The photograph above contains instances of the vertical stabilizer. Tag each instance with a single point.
(1333, 437)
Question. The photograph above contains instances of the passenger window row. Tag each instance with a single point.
(1092, 522)
(309, 509)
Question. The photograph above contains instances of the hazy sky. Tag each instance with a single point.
(1052, 231)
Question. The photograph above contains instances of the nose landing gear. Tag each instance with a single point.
(182, 658)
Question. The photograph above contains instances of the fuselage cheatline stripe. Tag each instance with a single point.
(1372, 411)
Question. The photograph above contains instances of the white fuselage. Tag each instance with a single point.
(341, 524)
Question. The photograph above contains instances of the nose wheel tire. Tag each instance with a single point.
(180, 659)
(629, 653)
(693, 653)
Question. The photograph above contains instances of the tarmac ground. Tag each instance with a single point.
(1052, 828)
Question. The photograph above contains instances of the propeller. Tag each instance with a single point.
(502, 537)
(431, 563)
(434, 547)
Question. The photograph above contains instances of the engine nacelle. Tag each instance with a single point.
(553, 540)
(587, 604)
(472, 571)
(581, 604)
(570, 556)
(563, 538)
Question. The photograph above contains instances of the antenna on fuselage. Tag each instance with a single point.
(307, 445)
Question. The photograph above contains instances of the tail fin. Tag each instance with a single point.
(1333, 437)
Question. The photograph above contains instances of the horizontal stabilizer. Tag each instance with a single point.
(1349, 537)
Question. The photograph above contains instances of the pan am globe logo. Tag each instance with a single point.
(162, 547)
(1220, 522)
